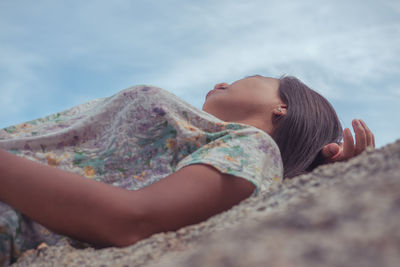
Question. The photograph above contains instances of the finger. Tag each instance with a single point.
(368, 139)
(348, 145)
(330, 151)
(368, 134)
(373, 140)
(361, 139)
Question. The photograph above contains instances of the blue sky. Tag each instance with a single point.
(57, 54)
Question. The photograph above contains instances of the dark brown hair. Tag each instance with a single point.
(309, 124)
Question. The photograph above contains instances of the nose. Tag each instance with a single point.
(221, 86)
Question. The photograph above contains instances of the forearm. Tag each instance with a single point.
(65, 202)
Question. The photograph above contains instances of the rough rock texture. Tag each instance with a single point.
(343, 214)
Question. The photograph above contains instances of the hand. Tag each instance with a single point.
(339, 152)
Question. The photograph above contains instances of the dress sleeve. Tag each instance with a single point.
(247, 153)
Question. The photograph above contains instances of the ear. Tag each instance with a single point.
(280, 110)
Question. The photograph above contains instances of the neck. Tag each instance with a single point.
(260, 124)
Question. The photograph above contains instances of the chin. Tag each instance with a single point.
(204, 107)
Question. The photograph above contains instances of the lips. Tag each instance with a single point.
(213, 91)
(209, 93)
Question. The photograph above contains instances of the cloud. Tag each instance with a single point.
(18, 80)
(351, 57)
(69, 52)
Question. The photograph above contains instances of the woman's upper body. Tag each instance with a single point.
(134, 139)
(141, 135)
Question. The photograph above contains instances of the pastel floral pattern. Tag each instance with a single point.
(131, 140)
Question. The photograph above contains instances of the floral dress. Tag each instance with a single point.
(131, 140)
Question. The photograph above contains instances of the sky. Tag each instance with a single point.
(58, 54)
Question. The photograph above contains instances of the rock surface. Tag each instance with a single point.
(343, 214)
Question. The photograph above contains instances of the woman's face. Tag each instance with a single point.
(250, 100)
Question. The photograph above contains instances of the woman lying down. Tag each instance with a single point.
(116, 170)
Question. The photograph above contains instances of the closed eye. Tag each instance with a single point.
(255, 75)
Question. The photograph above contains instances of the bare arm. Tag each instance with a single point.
(109, 216)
